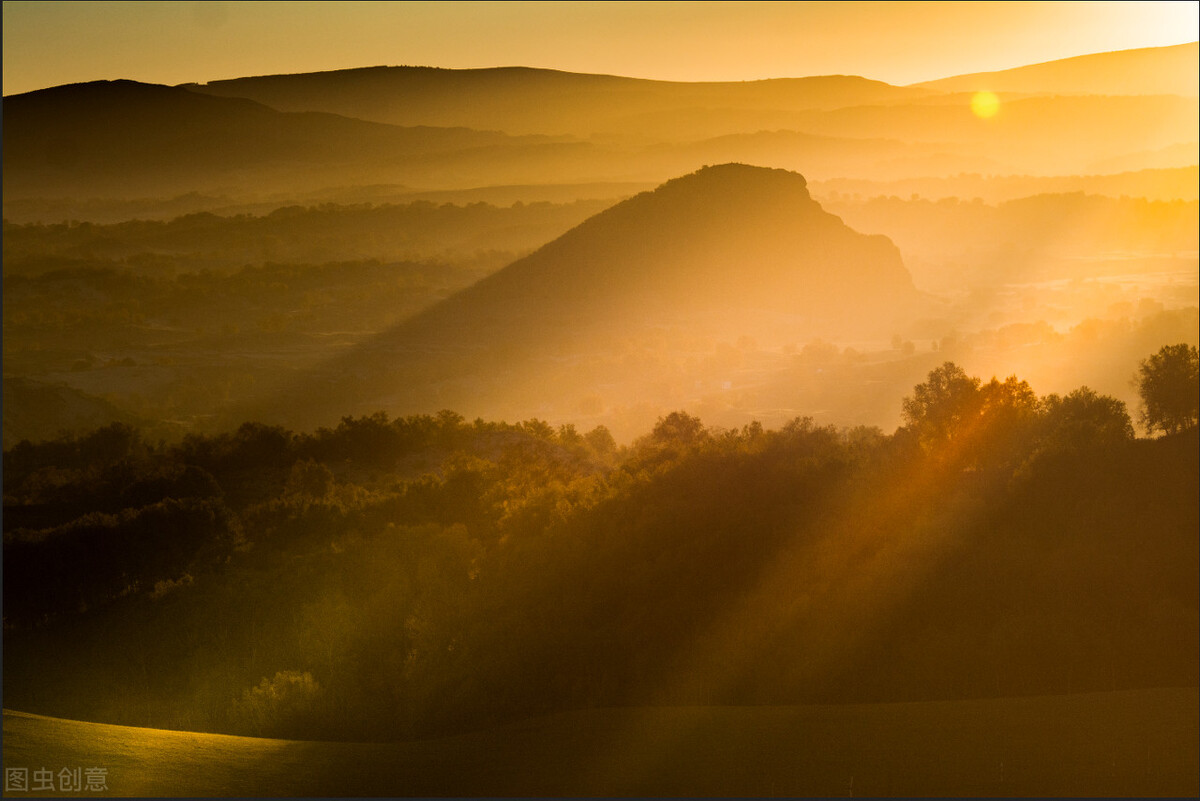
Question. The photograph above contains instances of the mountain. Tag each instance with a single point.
(819, 157)
(1056, 118)
(1039, 135)
(1183, 154)
(1182, 183)
(323, 134)
(37, 410)
(1173, 70)
(524, 100)
(730, 253)
(124, 138)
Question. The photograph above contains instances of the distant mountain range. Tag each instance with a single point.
(524, 100)
(438, 129)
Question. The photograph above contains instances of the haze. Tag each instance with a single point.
(553, 426)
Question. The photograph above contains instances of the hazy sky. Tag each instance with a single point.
(51, 43)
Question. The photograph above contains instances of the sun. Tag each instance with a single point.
(985, 104)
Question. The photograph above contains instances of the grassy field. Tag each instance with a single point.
(1136, 743)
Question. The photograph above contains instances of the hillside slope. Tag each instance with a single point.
(1173, 70)
(525, 100)
(124, 138)
(727, 252)
(1137, 743)
(1137, 100)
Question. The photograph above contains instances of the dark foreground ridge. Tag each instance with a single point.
(1045, 746)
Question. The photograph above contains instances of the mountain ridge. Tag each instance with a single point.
(529, 100)
(716, 254)
(1078, 74)
(429, 128)
(87, 137)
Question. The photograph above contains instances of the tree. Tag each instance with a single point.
(1009, 412)
(678, 428)
(942, 406)
(601, 441)
(1085, 418)
(309, 479)
(1169, 384)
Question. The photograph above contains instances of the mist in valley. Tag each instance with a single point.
(399, 403)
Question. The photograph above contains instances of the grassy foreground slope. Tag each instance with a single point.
(1136, 743)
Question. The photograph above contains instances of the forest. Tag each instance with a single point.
(425, 575)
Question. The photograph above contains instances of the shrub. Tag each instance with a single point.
(284, 705)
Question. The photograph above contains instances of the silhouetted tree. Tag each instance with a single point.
(1169, 383)
(1086, 418)
(678, 428)
(1010, 397)
(309, 479)
(601, 441)
(939, 408)
(111, 443)
(1009, 412)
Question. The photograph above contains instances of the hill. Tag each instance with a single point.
(524, 100)
(1038, 134)
(1145, 744)
(324, 135)
(123, 138)
(1146, 71)
(1176, 183)
(728, 252)
(1045, 126)
(39, 410)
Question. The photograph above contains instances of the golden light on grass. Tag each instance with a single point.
(985, 104)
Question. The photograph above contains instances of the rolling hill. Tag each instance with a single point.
(524, 100)
(1137, 743)
(1045, 126)
(38, 410)
(1173, 70)
(1043, 135)
(125, 139)
(322, 134)
(728, 252)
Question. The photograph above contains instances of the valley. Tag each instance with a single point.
(514, 430)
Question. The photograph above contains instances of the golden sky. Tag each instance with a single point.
(51, 43)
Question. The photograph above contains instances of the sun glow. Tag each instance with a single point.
(985, 104)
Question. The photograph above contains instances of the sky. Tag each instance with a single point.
(52, 43)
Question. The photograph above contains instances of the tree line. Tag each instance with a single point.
(391, 578)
